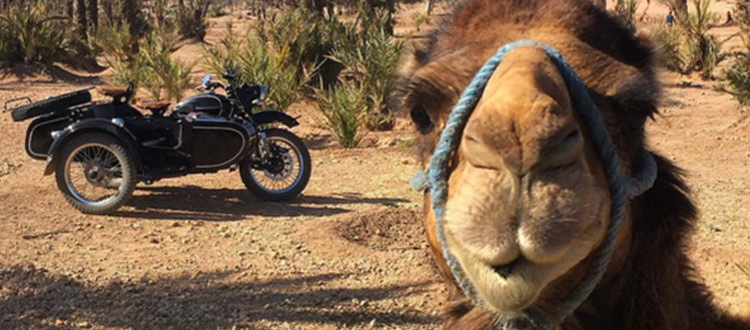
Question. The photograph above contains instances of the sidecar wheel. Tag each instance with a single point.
(286, 174)
(95, 173)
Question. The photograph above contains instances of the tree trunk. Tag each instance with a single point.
(94, 14)
(315, 6)
(82, 23)
(70, 11)
(600, 3)
(680, 9)
(130, 11)
(428, 7)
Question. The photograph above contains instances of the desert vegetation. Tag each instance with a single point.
(316, 50)
(340, 54)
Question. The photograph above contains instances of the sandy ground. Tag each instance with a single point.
(200, 253)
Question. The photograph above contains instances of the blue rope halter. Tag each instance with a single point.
(621, 188)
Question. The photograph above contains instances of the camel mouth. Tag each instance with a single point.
(512, 288)
(512, 285)
(505, 270)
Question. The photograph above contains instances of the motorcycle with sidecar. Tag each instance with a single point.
(100, 151)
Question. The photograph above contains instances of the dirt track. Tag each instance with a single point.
(200, 253)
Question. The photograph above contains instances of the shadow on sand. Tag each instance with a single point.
(33, 298)
(198, 203)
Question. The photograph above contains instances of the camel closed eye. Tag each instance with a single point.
(559, 153)
(421, 118)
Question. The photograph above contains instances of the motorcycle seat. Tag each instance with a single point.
(156, 107)
(111, 91)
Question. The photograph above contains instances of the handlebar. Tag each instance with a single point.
(211, 85)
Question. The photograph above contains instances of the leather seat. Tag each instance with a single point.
(111, 91)
(156, 107)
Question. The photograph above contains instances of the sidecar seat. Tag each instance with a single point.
(112, 91)
(157, 108)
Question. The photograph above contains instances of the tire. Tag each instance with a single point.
(127, 178)
(301, 180)
(52, 104)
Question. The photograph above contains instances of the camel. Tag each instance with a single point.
(527, 200)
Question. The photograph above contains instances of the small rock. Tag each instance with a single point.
(99, 226)
(154, 240)
(175, 224)
(35, 314)
(83, 324)
(136, 225)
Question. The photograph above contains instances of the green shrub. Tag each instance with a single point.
(738, 77)
(625, 10)
(688, 47)
(191, 19)
(217, 10)
(274, 55)
(343, 108)
(153, 68)
(163, 73)
(371, 56)
(30, 34)
(115, 41)
(673, 46)
(128, 71)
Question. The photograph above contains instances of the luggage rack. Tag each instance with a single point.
(11, 101)
(52, 104)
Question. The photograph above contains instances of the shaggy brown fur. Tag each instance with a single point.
(656, 287)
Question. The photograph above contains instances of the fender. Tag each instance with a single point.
(88, 125)
(273, 116)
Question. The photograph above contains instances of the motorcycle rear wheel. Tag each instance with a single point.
(286, 174)
(95, 173)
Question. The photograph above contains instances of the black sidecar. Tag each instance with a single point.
(100, 151)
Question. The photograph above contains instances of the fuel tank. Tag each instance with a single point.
(208, 103)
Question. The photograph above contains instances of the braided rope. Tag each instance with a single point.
(621, 188)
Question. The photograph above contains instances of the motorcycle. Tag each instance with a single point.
(99, 152)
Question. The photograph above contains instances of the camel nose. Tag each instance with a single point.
(524, 119)
(540, 141)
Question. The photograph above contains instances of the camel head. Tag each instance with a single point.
(527, 197)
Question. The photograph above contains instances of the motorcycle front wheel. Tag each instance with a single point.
(285, 171)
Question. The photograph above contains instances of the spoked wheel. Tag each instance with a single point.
(284, 173)
(95, 173)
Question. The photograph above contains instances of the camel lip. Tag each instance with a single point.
(506, 270)
(510, 288)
